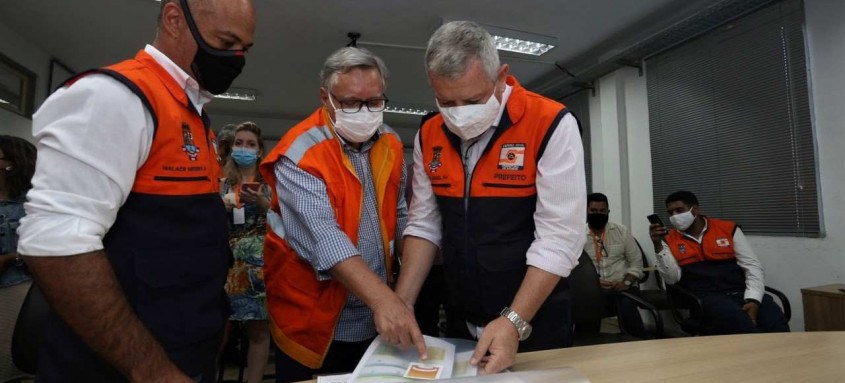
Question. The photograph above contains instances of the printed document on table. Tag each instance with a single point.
(384, 363)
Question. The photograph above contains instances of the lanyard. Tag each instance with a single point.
(598, 245)
(238, 194)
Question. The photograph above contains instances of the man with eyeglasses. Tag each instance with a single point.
(337, 210)
(125, 230)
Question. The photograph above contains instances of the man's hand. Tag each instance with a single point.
(501, 340)
(396, 324)
(751, 308)
(620, 286)
(657, 232)
(394, 318)
(7, 260)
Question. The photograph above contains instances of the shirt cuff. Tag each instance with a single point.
(329, 252)
(755, 295)
(58, 235)
(427, 235)
(551, 259)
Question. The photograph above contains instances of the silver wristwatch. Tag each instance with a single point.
(522, 327)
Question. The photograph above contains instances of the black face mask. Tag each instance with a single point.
(597, 220)
(215, 68)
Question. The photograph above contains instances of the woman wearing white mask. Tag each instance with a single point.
(713, 259)
(247, 198)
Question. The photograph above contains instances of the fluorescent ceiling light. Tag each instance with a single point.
(403, 110)
(242, 94)
(513, 40)
(521, 46)
(2, 101)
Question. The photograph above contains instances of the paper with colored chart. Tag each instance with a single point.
(384, 363)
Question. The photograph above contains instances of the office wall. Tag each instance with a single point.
(36, 60)
(621, 156)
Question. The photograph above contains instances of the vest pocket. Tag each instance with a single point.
(179, 295)
(502, 269)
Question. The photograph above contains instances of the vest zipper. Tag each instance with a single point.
(388, 255)
(467, 190)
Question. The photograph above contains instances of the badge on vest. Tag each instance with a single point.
(682, 248)
(188, 145)
(723, 242)
(512, 157)
(435, 160)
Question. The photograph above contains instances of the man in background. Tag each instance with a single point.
(713, 259)
(618, 261)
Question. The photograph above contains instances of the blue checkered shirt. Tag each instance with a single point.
(312, 231)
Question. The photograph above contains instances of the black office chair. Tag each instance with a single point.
(656, 296)
(688, 311)
(29, 328)
(588, 307)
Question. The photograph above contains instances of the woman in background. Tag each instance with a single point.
(17, 165)
(247, 198)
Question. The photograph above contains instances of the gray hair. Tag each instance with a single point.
(345, 59)
(454, 45)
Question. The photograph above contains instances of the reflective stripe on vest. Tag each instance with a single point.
(304, 310)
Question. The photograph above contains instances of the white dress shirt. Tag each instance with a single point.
(92, 138)
(559, 218)
(746, 259)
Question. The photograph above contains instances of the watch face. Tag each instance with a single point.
(525, 333)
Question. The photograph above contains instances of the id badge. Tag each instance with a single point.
(238, 216)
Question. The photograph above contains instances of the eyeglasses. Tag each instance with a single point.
(354, 106)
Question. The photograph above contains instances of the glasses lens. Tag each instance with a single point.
(351, 106)
(376, 105)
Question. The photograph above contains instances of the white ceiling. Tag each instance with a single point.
(293, 37)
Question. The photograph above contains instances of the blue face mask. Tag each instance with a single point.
(244, 156)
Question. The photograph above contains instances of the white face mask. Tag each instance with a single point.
(356, 127)
(682, 221)
(469, 121)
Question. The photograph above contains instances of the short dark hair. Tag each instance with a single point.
(597, 197)
(684, 196)
(21, 153)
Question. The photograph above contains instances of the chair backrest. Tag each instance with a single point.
(28, 330)
(646, 272)
(587, 303)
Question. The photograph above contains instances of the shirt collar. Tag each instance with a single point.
(505, 96)
(700, 235)
(364, 146)
(198, 96)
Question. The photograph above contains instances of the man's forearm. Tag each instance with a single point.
(417, 256)
(84, 291)
(535, 288)
(359, 280)
(7, 260)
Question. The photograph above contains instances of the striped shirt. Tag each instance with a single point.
(312, 231)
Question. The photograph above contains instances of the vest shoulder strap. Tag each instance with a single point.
(126, 82)
(552, 128)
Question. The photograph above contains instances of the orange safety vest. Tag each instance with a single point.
(169, 244)
(717, 243)
(304, 310)
(711, 265)
(486, 234)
